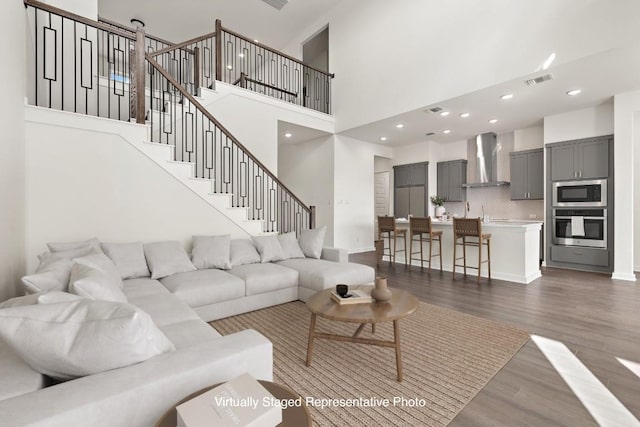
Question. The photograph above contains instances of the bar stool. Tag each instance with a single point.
(387, 225)
(421, 227)
(466, 228)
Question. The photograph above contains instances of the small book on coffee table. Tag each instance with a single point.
(354, 296)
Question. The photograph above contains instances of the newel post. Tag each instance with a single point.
(138, 93)
(312, 217)
(218, 50)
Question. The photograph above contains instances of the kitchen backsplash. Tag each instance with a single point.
(497, 204)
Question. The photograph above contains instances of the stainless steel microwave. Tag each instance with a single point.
(590, 193)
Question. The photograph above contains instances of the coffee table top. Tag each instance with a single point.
(401, 304)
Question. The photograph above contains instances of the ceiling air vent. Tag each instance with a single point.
(278, 4)
(538, 80)
(430, 133)
(433, 110)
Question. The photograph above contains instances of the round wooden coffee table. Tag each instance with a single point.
(293, 416)
(401, 305)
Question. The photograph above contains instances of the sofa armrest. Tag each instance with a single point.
(138, 395)
(335, 255)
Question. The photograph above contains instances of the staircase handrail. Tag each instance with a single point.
(224, 130)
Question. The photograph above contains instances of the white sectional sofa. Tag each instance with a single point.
(180, 305)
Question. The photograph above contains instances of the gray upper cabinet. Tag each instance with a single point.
(410, 189)
(451, 176)
(410, 175)
(527, 171)
(580, 160)
(400, 176)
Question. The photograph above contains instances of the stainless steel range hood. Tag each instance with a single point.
(486, 155)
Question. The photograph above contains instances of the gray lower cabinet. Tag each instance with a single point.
(586, 159)
(451, 176)
(578, 255)
(527, 172)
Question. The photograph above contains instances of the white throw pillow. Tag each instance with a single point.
(39, 298)
(290, 246)
(269, 248)
(128, 258)
(311, 242)
(53, 272)
(167, 258)
(96, 277)
(211, 252)
(73, 339)
(67, 246)
(243, 252)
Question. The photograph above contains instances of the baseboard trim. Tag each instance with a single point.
(629, 277)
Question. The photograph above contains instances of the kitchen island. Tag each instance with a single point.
(515, 250)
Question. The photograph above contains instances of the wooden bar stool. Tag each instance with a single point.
(470, 228)
(387, 229)
(421, 227)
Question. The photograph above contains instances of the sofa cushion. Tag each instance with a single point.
(67, 246)
(166, 258)
(203, 287)
(128, 258)
(39, 298)
(311, 241)
(17, 377)
(290, 246)
(243, 252)
(83, 337)
(164, 309)
(96, 277)
(319, 274)
(54, 270)
(262, 278)
(188, 333)
(211, 252)
(141, 287)
(269, 248)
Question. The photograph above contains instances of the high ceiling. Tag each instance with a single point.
(179, 21)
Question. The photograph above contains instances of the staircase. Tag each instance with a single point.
(97, 68)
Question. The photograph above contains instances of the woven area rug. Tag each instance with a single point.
(448, 357)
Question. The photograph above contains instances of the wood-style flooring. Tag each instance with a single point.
(596, 317)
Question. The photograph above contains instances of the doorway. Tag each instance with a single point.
(315, 51)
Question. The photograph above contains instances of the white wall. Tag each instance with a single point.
(86, 8)
(253, 119)
(12, 184)
(419, 52)
(585, 123)
(82, 183)
(529, 138)
(307, 169)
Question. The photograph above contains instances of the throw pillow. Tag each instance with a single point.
(84, 337)
(128, 258)
(311, 242)
(54, 270)
(39, 298)
(211, 252)
(90, 282)
(290, 245)
(243, 252)
(269, 248)
(167, 258)
(104, 264)
(66, 246)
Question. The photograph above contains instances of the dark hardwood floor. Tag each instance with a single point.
(596, 317)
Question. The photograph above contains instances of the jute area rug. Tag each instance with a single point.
(448, 358)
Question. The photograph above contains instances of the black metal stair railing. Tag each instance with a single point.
(176, 118)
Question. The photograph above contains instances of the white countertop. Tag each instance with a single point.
(499, 223)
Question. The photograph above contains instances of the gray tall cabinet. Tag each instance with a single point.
(410, 184)
(527, 175)
(451, 176)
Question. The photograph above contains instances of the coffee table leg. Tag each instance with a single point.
(360, 328)
(396, 340)
(373, 328)
(312, 332)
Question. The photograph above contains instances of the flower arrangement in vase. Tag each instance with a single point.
(438, 202)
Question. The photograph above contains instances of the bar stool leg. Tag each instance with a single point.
(421, 255)
(479, 257)
(395, 239)
(430, 251)
(455, 245)
(489, 257)
(440, 251)
(464, 255)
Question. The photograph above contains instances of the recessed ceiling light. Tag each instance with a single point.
(399, 125)
(492, 121)
(574, 92)
(383, 138)
(446, 131)
(465, 115)
(548, 62)
(229, 67)
(506, 96)
(137, 22)
(241, 55)
(444, 113)
(287, 135)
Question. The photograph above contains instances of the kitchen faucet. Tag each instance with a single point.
(466, 211)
